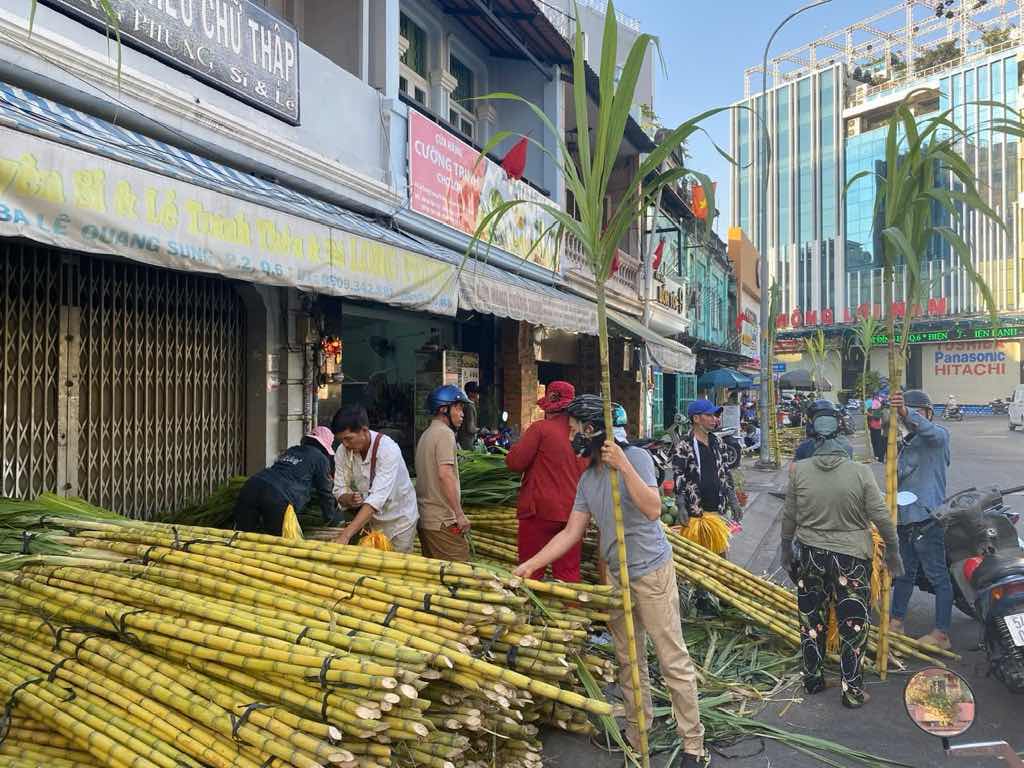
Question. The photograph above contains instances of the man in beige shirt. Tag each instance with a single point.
(443, 524)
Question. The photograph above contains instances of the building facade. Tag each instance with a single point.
(826, 109)
(251, 213)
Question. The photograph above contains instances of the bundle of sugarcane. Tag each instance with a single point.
(765, 603)
(486, 481)
(196, 646)
(216, 511)
(789, 439)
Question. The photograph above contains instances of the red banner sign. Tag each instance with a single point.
(810, 318)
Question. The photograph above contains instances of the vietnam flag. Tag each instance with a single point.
(700, 202)
(514, 162)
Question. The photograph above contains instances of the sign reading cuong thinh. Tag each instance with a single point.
(233, 45)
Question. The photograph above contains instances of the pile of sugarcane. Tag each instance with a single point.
(148, 645)
(763, 602)
(486, 481)
(789, 439)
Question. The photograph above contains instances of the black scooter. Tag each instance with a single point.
(985, 557)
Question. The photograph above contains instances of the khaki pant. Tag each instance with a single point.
(442, 545)
(656, 613)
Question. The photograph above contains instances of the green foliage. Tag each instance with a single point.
(993, 38)
(112, 21)
(945, 51)
(868, 383)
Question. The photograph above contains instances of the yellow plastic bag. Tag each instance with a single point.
(290, 528)
(376, 540)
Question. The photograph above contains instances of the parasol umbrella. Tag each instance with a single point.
(802, 379)
(724, 377)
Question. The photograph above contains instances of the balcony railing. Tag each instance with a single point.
(626, 281)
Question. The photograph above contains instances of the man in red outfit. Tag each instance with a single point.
(551, 472)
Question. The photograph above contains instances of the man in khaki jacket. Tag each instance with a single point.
(827, 549)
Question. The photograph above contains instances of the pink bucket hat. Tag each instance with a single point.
(557, 396)
(325, 437)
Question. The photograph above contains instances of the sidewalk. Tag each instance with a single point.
(756, 548)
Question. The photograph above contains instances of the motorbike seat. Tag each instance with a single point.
(997, 566)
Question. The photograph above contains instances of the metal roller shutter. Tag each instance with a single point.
(143, 367)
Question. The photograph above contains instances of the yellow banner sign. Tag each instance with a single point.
(71, 199)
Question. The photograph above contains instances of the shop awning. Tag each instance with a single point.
(77, 182)
(670, 356)
(486, 288)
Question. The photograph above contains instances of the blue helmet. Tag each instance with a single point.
(619, 418)
(448, 394)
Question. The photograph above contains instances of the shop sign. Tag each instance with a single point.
(797, 319)
(450, 183)
(1006, 333)
(779, 367)
(750, 332)
(233, 45)
(71, 199)
(672, 299)
(974, 371)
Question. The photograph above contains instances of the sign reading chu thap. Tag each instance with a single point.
(233, 45)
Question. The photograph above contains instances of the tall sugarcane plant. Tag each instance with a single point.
(817, 350)
(922, 171)
(864, 332)
(587, 176)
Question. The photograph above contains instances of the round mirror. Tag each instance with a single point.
(940, 702)
(905, 498)
(504, 416)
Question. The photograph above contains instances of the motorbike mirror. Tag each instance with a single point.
(905, 498)
(940, 702)
(504, 417)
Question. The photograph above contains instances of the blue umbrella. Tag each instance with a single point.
(725, 377)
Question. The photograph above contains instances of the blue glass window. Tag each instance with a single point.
(782, 164)
(805, 190)
(827, 117)
(743, 159)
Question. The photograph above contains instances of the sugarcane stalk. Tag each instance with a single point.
(620, 532)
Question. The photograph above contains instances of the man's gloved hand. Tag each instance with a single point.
(786, 555)
(682, 514)
(894, 563)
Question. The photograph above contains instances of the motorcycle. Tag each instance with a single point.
(732, 447)
(999, 407)
(496, 440)
(661, 451)
(952, 412)
(941, 703)
(985, 557)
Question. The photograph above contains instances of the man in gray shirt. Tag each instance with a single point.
(651, 570)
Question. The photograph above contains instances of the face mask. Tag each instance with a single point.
(583, 445)
(825, 426)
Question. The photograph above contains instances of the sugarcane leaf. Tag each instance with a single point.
(963, 253)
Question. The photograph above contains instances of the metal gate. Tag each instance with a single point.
(129, 380)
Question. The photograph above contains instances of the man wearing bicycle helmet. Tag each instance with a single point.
(442, 524)
(649, 562)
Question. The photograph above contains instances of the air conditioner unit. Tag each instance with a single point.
(853, 127)
(860, 92)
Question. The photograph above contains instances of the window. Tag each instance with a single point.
(412, 75)
(460, 108)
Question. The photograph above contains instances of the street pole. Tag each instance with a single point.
(767, 409)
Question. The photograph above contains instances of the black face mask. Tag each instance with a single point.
(583, 446)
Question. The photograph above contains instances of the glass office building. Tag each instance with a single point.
(824, 127)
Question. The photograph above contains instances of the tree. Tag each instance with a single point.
(993, 38)
(864, 332)
(945, 51)
(816, 349)
(587, 178)
(918, 159)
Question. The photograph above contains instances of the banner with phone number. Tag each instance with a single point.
(72, 199)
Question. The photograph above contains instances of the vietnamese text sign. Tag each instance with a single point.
(954, 334)
(234, 45)
(71, 199)
(447, 184)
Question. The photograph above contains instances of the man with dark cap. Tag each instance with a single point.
(466, 436)
(551, 471)
(703, 482)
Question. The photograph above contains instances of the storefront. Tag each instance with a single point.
(157, 332)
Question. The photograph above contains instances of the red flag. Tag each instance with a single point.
(514, 161)
(700, 203)
(658, 253)
(615, 264)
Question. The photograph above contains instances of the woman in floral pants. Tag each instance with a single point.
(827, 549)
(825, 577)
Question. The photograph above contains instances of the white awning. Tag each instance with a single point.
(485, 288)
(669, 355)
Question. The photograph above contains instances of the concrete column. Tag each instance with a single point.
(520, 373)
(382, 51)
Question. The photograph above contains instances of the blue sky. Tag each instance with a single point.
(706, 50)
